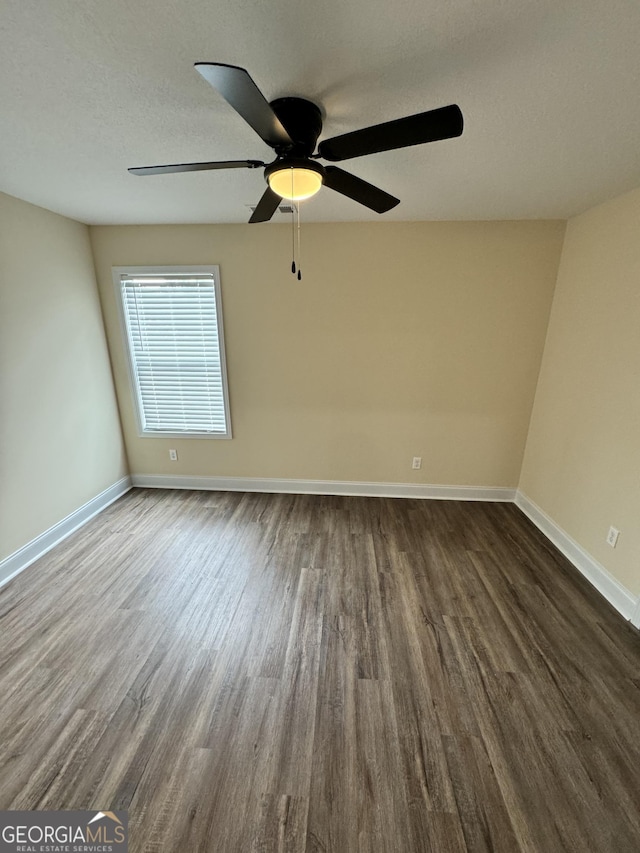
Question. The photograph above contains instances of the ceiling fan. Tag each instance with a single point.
(291, 126)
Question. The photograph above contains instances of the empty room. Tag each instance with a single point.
(320, 427)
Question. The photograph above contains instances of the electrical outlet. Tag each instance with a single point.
(417, 463)
(173, 455)
(612, 537)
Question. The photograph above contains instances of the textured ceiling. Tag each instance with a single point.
(550, 91)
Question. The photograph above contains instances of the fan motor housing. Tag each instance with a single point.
(302, 120)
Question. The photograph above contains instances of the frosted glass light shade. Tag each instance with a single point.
(295, 183)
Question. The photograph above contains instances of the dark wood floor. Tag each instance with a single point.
(301, 673)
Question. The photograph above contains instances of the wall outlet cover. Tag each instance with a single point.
(612, 537)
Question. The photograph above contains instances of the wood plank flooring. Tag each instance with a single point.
(247, 672)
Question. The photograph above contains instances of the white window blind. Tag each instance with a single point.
(174, 329)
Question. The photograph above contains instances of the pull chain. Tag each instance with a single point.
(295, 214)
(293, 232)
(299, 252)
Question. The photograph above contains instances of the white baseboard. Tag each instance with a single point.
(324, 487)
(615, 593)
(19, 560)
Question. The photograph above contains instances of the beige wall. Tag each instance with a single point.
(582, 464)
(60, 440)
(403, 339)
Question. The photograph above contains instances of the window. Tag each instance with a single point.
(172, 319)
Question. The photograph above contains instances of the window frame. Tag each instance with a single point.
(133, 271)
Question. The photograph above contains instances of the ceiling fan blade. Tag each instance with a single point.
(359, 190)
(195, 167)
(238, 89)
(266, 207)
(443, 123)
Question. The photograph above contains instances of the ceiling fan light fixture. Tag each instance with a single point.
(295, 181)
(291, 126)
